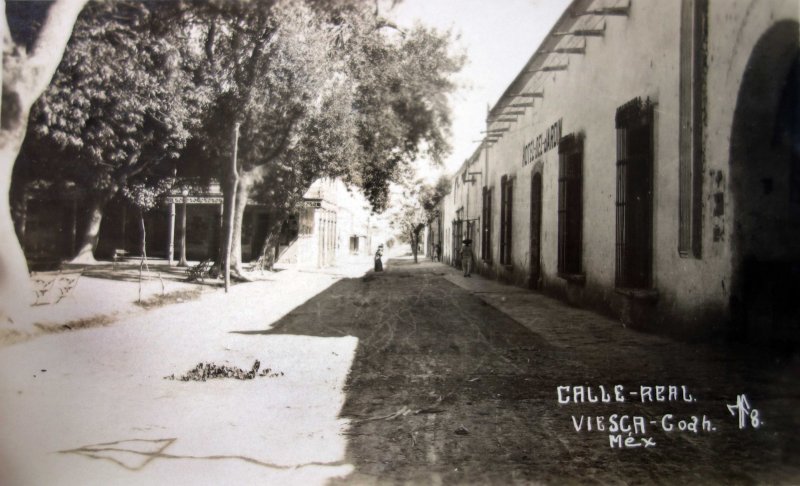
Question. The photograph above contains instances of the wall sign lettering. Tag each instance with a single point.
(540, 145)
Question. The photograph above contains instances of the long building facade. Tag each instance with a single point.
(646, 162)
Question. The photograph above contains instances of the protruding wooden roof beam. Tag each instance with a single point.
(496, 130)
(564, 50)
(583, 32)
(622, 11)
(547, 69)
(521, 105)
(539, 94)
(511, 120)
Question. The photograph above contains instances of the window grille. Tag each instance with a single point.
(570, 204)
(634, 205)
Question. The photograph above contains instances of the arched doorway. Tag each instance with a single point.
(765, 186)
(536, 231)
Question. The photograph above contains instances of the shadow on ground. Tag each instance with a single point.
(129, 271)
(446, 388)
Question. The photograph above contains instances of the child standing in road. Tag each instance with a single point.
(467, 257)
(378, 261)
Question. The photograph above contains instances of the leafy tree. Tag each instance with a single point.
(431, 195)
(277, 83)
(416, 208)
(402, 100)
(122, 102)
(28, 66)
(144, 195)
(322, 89)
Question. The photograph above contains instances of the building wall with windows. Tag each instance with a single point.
(334, 224)
(611, 165)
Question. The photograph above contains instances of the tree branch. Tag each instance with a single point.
(284, 143)
(49, 47)
(384, 23)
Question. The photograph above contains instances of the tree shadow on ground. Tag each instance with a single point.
(135, 454)
(445, 387)
(129, 272)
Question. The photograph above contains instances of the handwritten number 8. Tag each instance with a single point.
(755, 421)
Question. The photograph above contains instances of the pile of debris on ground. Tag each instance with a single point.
(208, 371)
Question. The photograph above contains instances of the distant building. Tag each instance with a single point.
(646, 162)
(332, 224)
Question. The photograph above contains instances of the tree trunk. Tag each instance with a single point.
(16, 293)
(229, 202)
(268, 251)
(91, 232)
(414, 246)
(25, 76)
(142, 249)
(242, 194)
(19, 209)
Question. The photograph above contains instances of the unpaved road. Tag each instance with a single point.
(408, 376)
(446, 389)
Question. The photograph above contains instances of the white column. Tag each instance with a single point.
(171, 235)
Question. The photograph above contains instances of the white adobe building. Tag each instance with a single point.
(332, 225)
(646, 162)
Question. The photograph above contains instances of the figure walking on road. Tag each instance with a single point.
(467, 257)
(378, 261)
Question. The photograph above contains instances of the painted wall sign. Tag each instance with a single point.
(193, 199)
(540, 145)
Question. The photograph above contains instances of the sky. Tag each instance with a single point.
(498, 37)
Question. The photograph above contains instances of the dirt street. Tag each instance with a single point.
(415, 375)
(446, 389)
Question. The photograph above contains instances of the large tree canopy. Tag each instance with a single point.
(316, 88)
(321, 89)
(123, 101)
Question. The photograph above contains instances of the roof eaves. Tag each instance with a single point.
(568, 18)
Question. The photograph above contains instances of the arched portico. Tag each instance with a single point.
(765, 188)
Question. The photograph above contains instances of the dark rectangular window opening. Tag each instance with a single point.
(506, 198)
(570, 204)
(486, 228)
(634, 204)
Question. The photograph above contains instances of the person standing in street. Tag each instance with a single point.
(378, 260)
(467, 257)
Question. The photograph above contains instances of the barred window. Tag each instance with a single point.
(486, 229)
(634, 239)
(570, 204)
(506, 193)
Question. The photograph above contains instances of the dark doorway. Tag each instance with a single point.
(764, 175)
(536, 231)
